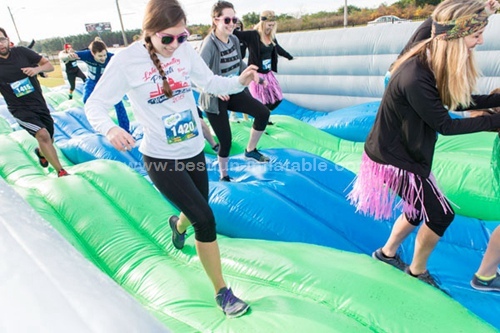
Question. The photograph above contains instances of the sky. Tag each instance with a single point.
(40, 19)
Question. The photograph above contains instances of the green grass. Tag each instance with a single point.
(54, 78)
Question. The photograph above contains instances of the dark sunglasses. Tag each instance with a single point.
(228, 20)
(270, 18)
(169, 39)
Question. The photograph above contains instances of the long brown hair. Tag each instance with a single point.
(160, 15)
(217, 9)
(451, 61)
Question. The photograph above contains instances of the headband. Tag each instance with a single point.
(461, 27)
(268, 18)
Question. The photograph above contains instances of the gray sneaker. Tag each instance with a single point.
(424, 277)
(178, 239)
(484, 285)
(395, 261)
(256, 155)
(427, 278)
(231, 305)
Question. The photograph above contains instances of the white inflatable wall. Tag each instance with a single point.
(339, 68)
(47, 286)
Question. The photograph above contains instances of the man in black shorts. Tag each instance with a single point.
(19, 67)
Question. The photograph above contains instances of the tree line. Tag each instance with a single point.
(407, 9)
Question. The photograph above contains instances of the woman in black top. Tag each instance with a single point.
(424, 31)
(263, 51)
(425, 83)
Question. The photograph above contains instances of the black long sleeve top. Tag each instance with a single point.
(252, 40)
(411, 115)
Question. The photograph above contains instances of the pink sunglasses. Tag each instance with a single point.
(169, 39)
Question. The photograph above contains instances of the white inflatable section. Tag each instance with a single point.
(47, 286)
(343, 67)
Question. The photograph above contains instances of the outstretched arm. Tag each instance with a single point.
(206, 80)
(109, 91)
(282, 52)
(245, 36)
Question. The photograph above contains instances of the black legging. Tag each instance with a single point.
(185, 184)
(439, 220)
(242, 102)
(72, 78)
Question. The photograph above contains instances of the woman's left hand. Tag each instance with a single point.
(249, 75)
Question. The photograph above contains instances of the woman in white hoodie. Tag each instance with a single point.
(156, 74)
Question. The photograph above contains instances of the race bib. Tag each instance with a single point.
(22, 87)
(266, 64)
(180, 127)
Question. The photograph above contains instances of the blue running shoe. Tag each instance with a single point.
(486, 285)
(178, 239)
(231, 305)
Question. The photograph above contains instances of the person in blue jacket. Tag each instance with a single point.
(97, 57)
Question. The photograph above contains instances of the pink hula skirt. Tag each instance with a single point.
(376, 188)
(266, 95)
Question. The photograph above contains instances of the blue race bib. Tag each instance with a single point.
(22, 87)
(266, 64)
(180, 127)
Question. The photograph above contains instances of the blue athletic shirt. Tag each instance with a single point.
(95, 68)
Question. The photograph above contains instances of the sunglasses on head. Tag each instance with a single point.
(169, 39)
(268, 18)
(228, 20)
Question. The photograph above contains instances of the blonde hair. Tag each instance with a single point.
(260, 26)
(160, 15)
(452, 63)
